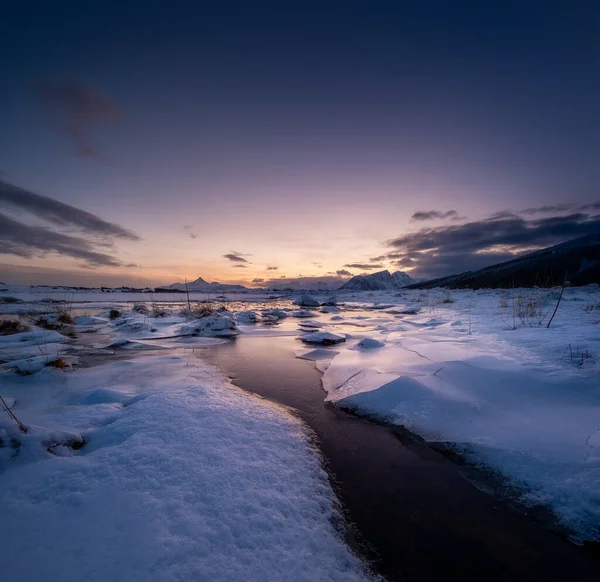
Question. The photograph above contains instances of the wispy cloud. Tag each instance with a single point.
(433, 215)
(190, 231)
(272, 268)
(60, 214)
(75, 108)
(19, 238)
(364, 266)
(547, 209)
(258, 280)
(236, 257)
(29, 241)
(343, 273)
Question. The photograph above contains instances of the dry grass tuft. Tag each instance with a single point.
(199, 310)
(10, 326)
(59, 363)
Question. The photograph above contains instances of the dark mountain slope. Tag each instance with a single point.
(578, 260)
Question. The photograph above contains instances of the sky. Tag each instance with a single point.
(146, 142)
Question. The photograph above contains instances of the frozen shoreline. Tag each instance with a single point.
(524, 402)
(181, 475)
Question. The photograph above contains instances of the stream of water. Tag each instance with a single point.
(415, 515)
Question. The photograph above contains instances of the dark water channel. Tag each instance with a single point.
(417, 517)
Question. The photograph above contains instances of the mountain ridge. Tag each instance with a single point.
(380, 281)
(576, 260)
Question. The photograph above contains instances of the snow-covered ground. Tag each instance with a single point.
(156, 469)
(476, 369)
(508, 393)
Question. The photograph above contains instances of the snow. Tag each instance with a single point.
(379, 281)
(477, 370)
(247, 316)
(213, 325)
(301, 313)
(523, 402)
(181, 477)
(369, 343)
(306, 301)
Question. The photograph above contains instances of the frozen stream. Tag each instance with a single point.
(417, 516)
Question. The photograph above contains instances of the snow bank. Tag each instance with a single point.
(523, 402)
(217, 325)
(247, 316)
(306, 301)
(182, 477)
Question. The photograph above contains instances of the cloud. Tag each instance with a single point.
(547, 209)
(26, 241)
(60, 214)
(235, 257)
(433, 214)
(18, 237)
(325, 282)
(240, 266)
(75, 108)
(343, 273)
(592, 206)
(272, 268)
(258, 280)
(189, 230)
(364, 266)
(447, 250)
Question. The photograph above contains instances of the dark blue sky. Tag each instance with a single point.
(365, 112)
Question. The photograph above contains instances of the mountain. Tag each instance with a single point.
(205, 287)
(402, 279)
(325, 283)
(379, 281)
(578, 260)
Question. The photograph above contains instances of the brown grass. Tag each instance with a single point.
(65, 317)
(59, 363)
(10, 326)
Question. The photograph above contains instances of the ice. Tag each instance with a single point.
(330, 309)
(275, 313)
(523, 402)
(316, 355)
(369, 343)
(323, 337)
(312, 323)
(181, 477)
(306, 301)
(247, 316)
(217, 325)
(301, 313)
(463, 367)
